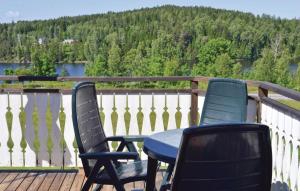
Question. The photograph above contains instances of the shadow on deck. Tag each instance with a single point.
(62, 181)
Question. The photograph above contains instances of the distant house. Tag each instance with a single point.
(41, 40)
(69, 41)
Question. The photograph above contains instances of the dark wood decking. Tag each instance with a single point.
(54, 181)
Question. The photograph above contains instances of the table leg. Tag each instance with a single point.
(151, 174)
(167, 177)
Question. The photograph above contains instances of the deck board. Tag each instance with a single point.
(37, 181)
(27, 181)
(78, 181)
(16, 182)
(7, 181)
(3, 176)
(57, 182)
(69, 179)
(48, 181)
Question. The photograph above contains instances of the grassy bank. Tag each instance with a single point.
(292, 103)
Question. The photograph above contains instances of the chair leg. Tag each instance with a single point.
(87, 185)
(91, 176)
(113, 175)
(98, 187)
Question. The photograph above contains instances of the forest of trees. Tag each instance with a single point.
(161, 41)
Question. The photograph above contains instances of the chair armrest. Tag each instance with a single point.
(130, 138)
(115, 138)
(135, 138)
(127, 141)
(110, 155)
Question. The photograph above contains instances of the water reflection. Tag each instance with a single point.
(71, 69)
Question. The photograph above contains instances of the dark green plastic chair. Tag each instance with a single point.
(224, 157)
(100, 165)
(225, 102)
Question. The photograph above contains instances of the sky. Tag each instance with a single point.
(15, 10)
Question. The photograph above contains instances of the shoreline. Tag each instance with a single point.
(28, 63)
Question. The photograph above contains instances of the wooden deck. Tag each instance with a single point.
(53, 181)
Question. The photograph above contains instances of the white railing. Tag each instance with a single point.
(37, 130)
(285, 134)
(41, 116)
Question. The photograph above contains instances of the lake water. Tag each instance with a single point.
(78, 69)
(293, 68)
(72, 69)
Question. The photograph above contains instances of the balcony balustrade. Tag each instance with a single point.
(37, 130)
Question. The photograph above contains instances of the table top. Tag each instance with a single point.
(163, 146)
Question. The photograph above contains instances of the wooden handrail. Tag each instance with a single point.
(264, 85)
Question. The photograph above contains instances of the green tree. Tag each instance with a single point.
(223, 66)
(43, 62)
(36, 63)
(8, 71)
(264, 67)
(237, 71)
(171, 67)
(282, 73)
(96, 68)
(20, 53)
(208, 55)
(114, 61)
(139, 62)
(297, 78)
(154, 66)
(129, 62)
(48, 65)
(297, 52)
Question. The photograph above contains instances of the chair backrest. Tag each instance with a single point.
(224, 157)
(225, 102)
(87, 124)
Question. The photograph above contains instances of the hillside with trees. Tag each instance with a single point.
(161, 41)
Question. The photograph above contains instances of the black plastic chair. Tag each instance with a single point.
(225, 102)
(100, 165)
(229, 157)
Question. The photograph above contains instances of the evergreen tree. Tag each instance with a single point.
(237, 71)
(43, 63)
(264, 67)
(171, 67)
(282, 73)
(208, 55)
(297, 78)
(128, 62)
(114, 61)
(97, 68)
(223, 65)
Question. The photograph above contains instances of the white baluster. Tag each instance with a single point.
(280, 151)
(287, 149)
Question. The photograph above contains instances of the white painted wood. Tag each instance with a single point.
(285, 148)
(4, 133)
(41, 100)
(285, 129)
(17, 158)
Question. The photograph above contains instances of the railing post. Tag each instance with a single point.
(194, 102)
(261, 94)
